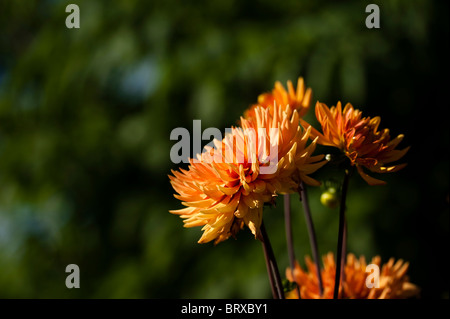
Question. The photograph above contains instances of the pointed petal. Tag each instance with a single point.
(370, 180)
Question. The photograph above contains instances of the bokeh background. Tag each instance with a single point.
(86, 115)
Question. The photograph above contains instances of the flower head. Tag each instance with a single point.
(393, 281)
(227, 185)
(359, 139)
(298, 99)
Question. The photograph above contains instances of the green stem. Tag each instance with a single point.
(270, 273)
(312, 233)
(341, 234)
(344, 251)
(272, 267)
(289, 237)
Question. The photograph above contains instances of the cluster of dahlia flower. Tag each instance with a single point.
(225, 189)
(271, 152)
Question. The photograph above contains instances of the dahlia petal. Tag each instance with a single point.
(390, 169)
(229, 190)
(260, 186)
(224, 175)
(201, 203)
(251, 202)
(394, 155)
(229, 207)
(311, 168)
(315, 133)
(307, 98)
(221, 220)
(308, 180)
(370, 180)
(183, 211)
(394, 142)
(194, 223)
(241, 211)
(253, 220)
(316, 158)
(300, 89)
(291, 90)
(209, 234)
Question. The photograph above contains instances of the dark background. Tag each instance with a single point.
(86, 115)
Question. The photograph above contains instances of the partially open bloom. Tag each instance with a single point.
(298, 99)
(393, 281)
(359, 139)
(228, 184)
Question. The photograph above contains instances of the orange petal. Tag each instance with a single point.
(370, 180)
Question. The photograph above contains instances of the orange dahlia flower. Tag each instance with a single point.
(359, 138)
(298, 99)
(393, 281)
(227, 186)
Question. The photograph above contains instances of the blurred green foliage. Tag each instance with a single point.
(86, 114)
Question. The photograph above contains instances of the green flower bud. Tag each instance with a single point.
(330, 198)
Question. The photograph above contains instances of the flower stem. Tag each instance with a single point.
(271, 264)
(311, 232)
(270, 274)
(341, 235)
(289, 238)
(344, 251)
